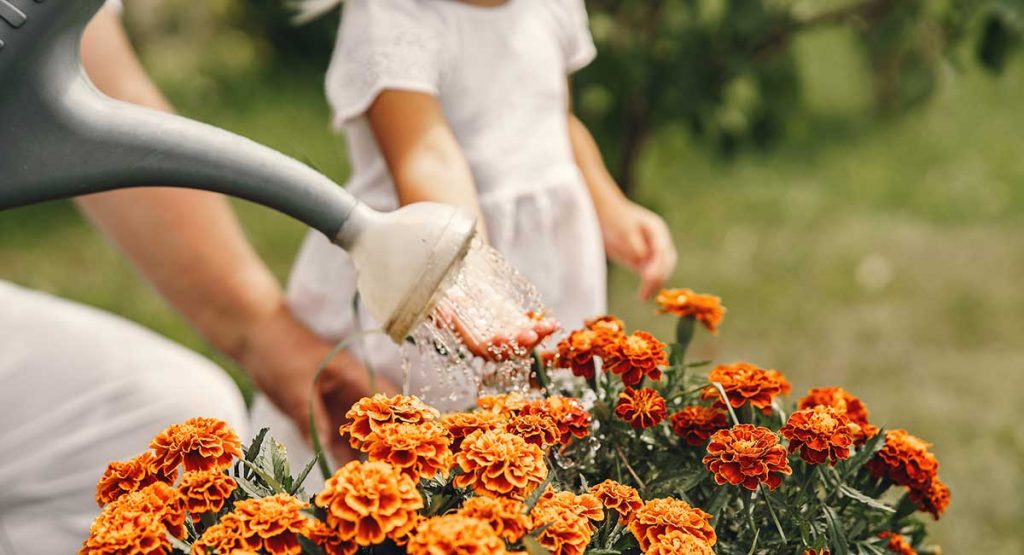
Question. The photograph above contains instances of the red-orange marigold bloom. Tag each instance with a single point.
(635, 356)
(933, 499)
(538, 429)
(820, 434)
(658, 517)
(745, 455)
(505, 404)
(897, 543)
(642, 408)
(506, 516)
(198, 444)
(137, 522)
(822, 551)
(565, 521)
(368, 502)
(695, 424)
(127, 476)
(370, 413)
(706, 309)
(330, 541)
(277, 522)
(676, 542)
(846, 403)
(461, 424)
(744, 382)
(417, 450)
(620, 498)
(229, 535)
(455, 535)
(569, 415)
(206, 490)
(577, 351)
(905, 460)
(607, 324)
(499, 464)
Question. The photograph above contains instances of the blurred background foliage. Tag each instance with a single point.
(852, 185)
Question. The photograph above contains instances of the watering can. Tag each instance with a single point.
(60, 137)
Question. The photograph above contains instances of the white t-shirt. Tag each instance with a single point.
(500, 74)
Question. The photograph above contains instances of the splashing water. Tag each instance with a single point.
(482, 299)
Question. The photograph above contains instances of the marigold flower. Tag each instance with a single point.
(127, 476)
(198, 444)
(706, 309)
(229, 535)
(642, 408)
(620, 498)
(745, 455)
(461, 424)
(538, 429)
(505, 404)
(897, 543)
(370, 501)
(905, 460)
(417, 450)
(206, 490)
(744, 382)
(569, 415)
(822, 551)
(635, 356)
(565, 521)
(658, 517)
(137, 522)
(577, 352)
(675, 542)
(820, 434)
(370, 413)
(933, 499)
(847, 404)
(499, 464)
(330, 541)
(695, 424)
(608, 324)
(276, 522)
(506, 516)
(455, 535)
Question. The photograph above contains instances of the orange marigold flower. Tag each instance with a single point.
(905, 460)
(275, 522)
(744, 382)
(696, 424)
(577, 351)
(933, 499)
(658, 517)
(455, 535)
(505, 404)
(898, 543)
(137, 522)
(847, 404)
(127, 476)
(330, 541)
(499, 464)
(538, 429)
(607, 325)
(706, 309)
(676, 542)
(370, 501)
(461, 424)
(635, 356)
(569, 415)
(745, 455)
(506, 516)
(822, 551)
(417, 450)
(620, 498)
(229, 535)
(370, 413)
(198, 444)
(820, 434)
(564, 519)
(206, 490)
(642, 408)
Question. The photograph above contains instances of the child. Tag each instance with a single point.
(467, 103)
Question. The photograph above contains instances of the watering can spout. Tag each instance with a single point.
(61, 138)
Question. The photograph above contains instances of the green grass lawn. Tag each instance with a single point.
(884, 256)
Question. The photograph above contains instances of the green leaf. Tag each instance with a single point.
(857, 495)
(279, 463)
(533, 547)
(836, 535)
(266, 477)
(252, 489)
(865, 453)
(301, 478)
(254, 448)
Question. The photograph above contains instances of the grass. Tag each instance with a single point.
(884, 256)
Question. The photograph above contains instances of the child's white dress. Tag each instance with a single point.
(501, 76)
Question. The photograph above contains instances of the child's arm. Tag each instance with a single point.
(633, 235)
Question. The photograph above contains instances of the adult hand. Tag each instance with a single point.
(639, 239)
(282, 356)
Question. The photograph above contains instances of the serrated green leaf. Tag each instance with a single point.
(269, 480)
(858, 496)
(533, 547)
(254, 447)
(279, 460)
(865, 453)
(301, 478)
(836, 535)
(252, 489)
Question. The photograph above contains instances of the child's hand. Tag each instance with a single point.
(639, 239)
(507, 329)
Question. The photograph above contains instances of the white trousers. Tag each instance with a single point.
(80, 388)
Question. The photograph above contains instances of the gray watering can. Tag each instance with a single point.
(61, 138)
